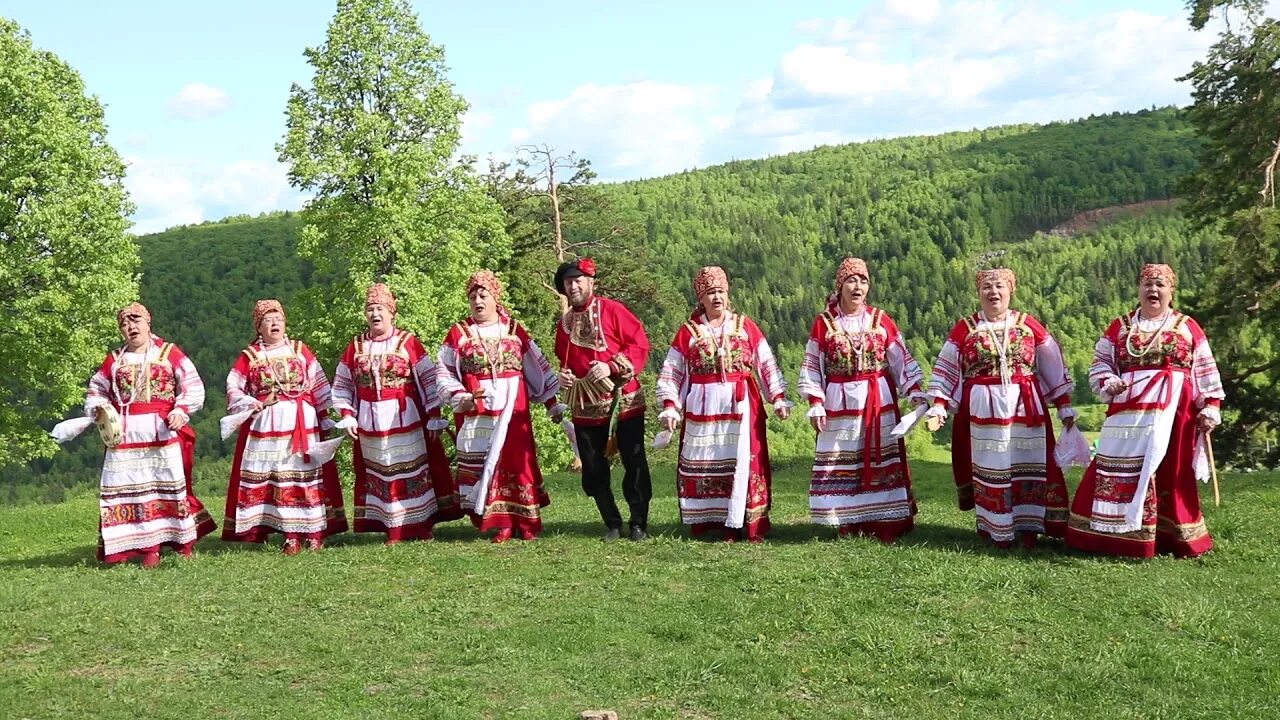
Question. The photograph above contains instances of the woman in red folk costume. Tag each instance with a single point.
(385, 388)
(1157, 373)
(709, 377)
(491, 371)
(998, 372)
(856, 366)
(276, 484)
(151, 388)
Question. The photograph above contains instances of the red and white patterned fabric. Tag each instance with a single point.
(1159, 270)
(1139, 495)
(276, 485)
(999, 378)
(708, 279)
(498, 477)
(146, 500)
(604, 330)
(855, 369)
(380, 294)
(718, 379)
(387, 387)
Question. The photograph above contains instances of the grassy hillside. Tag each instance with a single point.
(938, 626)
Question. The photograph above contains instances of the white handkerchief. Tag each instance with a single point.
(662, 439)
(909, 421)
(229, 424)
(1072, 449)
(1200, 460)
(324, 451)
(571, 434)
(70, 429)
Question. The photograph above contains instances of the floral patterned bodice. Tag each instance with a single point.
(1175, 345)
(850, 353)
(160, 385)
(484, 355)
(730, 352)
(979, 354)
(283, 373)
(392, 369)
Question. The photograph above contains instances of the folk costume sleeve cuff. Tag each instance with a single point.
(622, 369)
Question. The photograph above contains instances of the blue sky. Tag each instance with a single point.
(195, 93)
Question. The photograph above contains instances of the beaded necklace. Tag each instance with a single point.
(489, 362)
(1151, 342)
(1001, 344)
(375, 369)
(141, 374)
(857, 338)
(270, 370)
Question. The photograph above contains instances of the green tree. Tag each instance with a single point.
(66, 260)
(1237, 112)
(374, 140)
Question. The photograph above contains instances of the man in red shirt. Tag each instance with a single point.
(602, 347)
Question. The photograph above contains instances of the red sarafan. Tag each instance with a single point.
(716, 380)
(150, 389)
(491, 372)
(1000, 372)
(385, 389)
(856, 367)
(1158, 375)
(278, 484)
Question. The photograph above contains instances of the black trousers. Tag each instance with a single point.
(637, 488)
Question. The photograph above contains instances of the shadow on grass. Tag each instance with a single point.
(87, 555)
(932, 485)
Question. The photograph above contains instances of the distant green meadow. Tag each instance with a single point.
(804, 626)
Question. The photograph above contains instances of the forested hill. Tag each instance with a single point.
(923, 211)
(200, 283)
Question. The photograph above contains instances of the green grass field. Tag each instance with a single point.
(801, 627)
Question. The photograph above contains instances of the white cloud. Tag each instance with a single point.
(629, 130)
(901, 67)
(182, 191)
(163, 194)
(911, 67)
(916, 12)
(197, 101)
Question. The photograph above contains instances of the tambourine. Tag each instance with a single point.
(110, 426)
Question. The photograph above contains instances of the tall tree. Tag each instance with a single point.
(1237, 112)
(374, 140)
(555, 212)
(66, 260)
